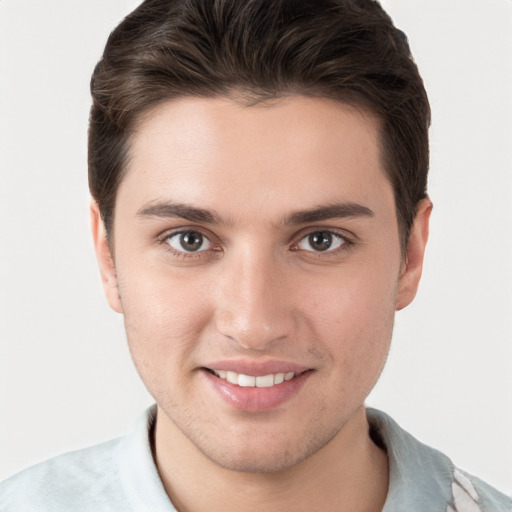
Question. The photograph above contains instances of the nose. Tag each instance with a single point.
(253, 308)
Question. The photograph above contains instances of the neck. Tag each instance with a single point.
(350, 473)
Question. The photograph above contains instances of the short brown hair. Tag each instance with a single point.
(346, 50)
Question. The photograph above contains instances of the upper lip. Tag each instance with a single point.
(256, 368)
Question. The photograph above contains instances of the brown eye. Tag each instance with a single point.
(189, 241)
(321, 241)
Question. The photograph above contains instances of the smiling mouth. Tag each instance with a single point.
(257, 393)
(250, 381)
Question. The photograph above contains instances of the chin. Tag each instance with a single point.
(267, 455)
(256, 463)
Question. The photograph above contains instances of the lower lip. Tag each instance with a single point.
(253, 399)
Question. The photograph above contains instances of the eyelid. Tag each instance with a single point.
(179, 234)
(212, 239)
(348, 236)
(165, 234)
(338, 242)
(349, 239)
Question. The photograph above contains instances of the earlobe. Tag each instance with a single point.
(413, 262)
(105, 259)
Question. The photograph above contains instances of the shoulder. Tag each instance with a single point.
(470, 494)
(82, 480)
(425, 480)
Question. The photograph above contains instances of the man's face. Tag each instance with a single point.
(259, 241)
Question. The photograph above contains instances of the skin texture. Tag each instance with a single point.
(259, 291)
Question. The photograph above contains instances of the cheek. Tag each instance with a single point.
(164, 316)
(353, 313)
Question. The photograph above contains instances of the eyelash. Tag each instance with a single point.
(347, 243)
(164, 240)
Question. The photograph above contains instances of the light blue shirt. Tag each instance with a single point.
(120, 476)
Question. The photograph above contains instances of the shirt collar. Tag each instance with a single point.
(139, 475)
(420, 477)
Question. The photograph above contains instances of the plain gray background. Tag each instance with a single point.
(66, 379)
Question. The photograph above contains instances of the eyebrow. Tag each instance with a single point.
(169, 209)
(332, 211)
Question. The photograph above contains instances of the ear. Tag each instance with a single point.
(105, 259)
(413, 262)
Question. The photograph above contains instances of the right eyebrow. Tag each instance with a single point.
(169, 209)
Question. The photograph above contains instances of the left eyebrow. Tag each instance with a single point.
(332, 211)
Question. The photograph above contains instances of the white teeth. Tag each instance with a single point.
(246, 381)
(231, 377)
(249, 381)
(264, 382)
(278, 378)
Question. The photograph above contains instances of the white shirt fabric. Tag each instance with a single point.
(120, 476)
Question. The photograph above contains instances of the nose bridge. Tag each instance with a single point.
(251, 306)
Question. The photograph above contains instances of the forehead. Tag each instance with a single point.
(216, 152)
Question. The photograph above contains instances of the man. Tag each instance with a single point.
(258, 172)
